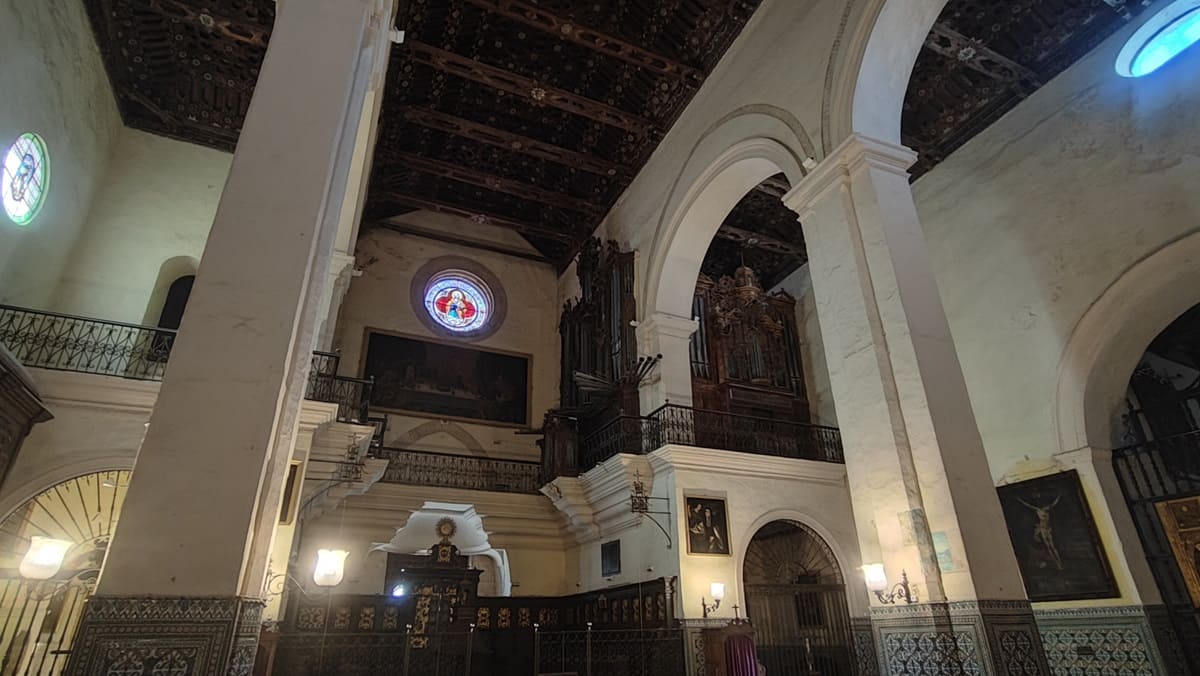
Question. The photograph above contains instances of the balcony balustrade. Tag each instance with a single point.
(686, 426)
(60, 342)
(420, 468)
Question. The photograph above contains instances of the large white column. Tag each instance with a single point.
(670, 336)
(209, 469)
(914, 457)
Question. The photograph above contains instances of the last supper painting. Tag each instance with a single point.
(425, 378)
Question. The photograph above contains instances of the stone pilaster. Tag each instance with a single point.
(923, 498)
(202, 506)
(669, 336)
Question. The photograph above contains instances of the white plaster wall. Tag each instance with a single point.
(757, 490)
(156, 201)
(1031, 221)
(98, 424)
(380, 299)
(53, 83)
(812, 350)
(526, 526)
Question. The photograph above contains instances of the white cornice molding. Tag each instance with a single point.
(89, 390)
(850, 156)
(596, 504)
(688, 458)
(664, 324)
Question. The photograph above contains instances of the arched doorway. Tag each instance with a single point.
(796, 598)
(39, 617)
(1159, 469)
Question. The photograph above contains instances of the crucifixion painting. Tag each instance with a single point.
(1055, 540)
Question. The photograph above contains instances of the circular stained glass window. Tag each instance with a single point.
(26, 175)
(1163, 37)
(458, 301)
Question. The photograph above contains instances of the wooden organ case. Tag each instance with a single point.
(746, 353)
(600, 367)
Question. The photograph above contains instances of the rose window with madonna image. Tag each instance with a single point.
(459, 301)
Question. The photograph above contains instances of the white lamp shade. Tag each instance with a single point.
(331, 567)
(44, 558)
(399, 590)
(718, 591)
(876, 577)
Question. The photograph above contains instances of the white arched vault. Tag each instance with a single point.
(873, 63)
(1109, 340)
(695, 215)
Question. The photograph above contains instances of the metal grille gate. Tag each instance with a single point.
(801, 629)
(1164, 469)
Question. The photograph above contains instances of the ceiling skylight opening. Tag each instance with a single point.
(1165, 36)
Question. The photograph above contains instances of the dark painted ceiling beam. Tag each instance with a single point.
(754, 240)
(535, 93)
(523, 227)
(500, 184)
(565, 29)
(240, 30)
(516, 143)
(978, 57)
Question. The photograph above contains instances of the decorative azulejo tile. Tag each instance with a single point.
(1117, 640)
(166, 637)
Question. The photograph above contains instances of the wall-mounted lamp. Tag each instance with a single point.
(718, 593)
(877, 582)
(44, 558)
(399, 590)
(331, 567)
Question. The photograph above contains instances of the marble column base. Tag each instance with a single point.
(177, 636)
(988, 638)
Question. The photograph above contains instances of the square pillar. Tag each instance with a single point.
(670, 336)
(921, 489)
(180, 591)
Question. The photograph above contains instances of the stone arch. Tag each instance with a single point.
(855, 593)
(692, 217)
(871, 65)
(1107, 342)
(432, 427)
(116, 460)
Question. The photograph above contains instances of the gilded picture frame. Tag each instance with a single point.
(1181, 522)
(707, 520)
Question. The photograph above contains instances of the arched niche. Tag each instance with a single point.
(694, 215)
(169, 272)
(1107, 342)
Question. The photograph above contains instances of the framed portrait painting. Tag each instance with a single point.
(707, 526)
(1055, 539)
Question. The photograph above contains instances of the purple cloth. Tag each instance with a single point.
(740, 659)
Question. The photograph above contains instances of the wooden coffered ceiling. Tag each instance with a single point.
(983, 57)
(532, 115)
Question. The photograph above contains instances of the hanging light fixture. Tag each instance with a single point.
(44, 558)
(331, 567)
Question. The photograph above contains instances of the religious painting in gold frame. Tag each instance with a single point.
(446, 381)
(1181, 522)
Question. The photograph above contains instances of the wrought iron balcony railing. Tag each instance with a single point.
(50, 340)
(688, 426)
(746, 434)
(421, 468)
(60, 342)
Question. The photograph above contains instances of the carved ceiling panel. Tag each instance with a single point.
(530, 115)
(760, 233)
(984, 57)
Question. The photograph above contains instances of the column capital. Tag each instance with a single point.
(666, 325)
(849, 156)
